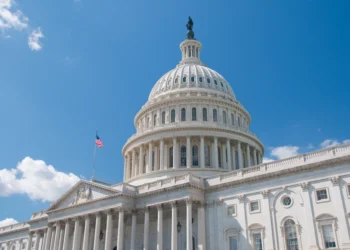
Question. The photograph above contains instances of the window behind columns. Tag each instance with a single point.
(207, 155)
(163, 117)
(195, 156)
(144, 163)
(219, 157)
(205, 115)
(236, 160)
(173, 115)
(232, 119)
(183, 156)
(171, 156)
(153, 160)
(224, 118)
(215, 115)
(183, 114)
(155, 120)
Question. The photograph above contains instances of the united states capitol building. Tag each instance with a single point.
(194, 179)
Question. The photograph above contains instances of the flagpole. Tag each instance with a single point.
(94, 161)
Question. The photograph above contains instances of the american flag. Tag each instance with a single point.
(98, 142)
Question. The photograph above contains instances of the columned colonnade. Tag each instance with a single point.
(205, 152)
(75, 233)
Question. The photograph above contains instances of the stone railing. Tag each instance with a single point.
(275, 166)
(125, 188)
(13, 227)
(171, 182)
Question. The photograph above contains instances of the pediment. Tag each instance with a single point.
(82, 192)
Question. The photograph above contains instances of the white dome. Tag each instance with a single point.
(191, 76)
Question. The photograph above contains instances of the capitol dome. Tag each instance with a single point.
(192, 122)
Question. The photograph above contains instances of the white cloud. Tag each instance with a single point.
(310, 146)
(10, 18)
(331, 143)
(267, 159)
(284, 152)
(35, 179)
(7, 222)
(33, 39)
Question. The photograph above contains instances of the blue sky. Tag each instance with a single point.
(71, 67)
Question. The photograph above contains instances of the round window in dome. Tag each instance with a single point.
(287, 201)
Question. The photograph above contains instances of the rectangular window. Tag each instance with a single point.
(231, 210)
(254, 206)
(322, 194)
(257, 241)
(233, 243)
(328, 236)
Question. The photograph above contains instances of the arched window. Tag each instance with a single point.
(239, 121)
(200, 79)
(290, 230)
(155, 120)
(232, 119)
(183, 156)
(205, 114)
(144, 163)
(183, 114)
(195, 155)
(147, 124)
(172, 115)
(219, 157)
(171, 157)
(216, 83)
(215, 115)
(163, 117)
(207, 155)
(184, 79)
(208, 80)
(192, 78)
(194, 114)
(224, 119)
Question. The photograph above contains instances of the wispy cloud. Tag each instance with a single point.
(35, 179)
(331, 143)
(284, 152)
(34, 39)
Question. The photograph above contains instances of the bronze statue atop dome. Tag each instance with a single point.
(189, 25)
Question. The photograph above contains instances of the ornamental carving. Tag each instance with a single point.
(265, 193)
(241, 198)
(305, 186)
(335, 180)
(83, 194)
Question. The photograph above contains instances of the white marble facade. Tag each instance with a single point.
(194, 179)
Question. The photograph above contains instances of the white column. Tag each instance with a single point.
(233, 156)
(146, 230)
(228, 148)
(338, 204)
(260, 158)
(150, 152)
(160, 228)
(42, 247)
(48, 237)
(29, 243)
(52, 239)
(268, 242)
(133, 166)
(60, 243)
(309, 218)
(255, 158)
(201, 152)
(76, 233)
(128, 162)
(240, 158)
(156, 167)
(188, 224)
(188, 152)
(216, 159)
(57, 236)
(161, 154)
(97, 232)
(108, 242)
(173, 226)
(66, 235)
(37, 240)
(166, 155)
(86, 233)
(133, 231)
(175, 153)
(248, 156)
(125, 168)
(201, 227)
(141, 163)
(120, 230)
(223, 156)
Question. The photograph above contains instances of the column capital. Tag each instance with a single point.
(188, 201)
(173, 203)
(265, 193)
(109, 211)
(305, 186)
(134, 211)
(241, 198)
(78, 218)
(219, 201)
(160, 207)
(335, 180)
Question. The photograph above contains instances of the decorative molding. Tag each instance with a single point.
(241, 198)
(335, 180)
(265, 193)
(305, 186)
